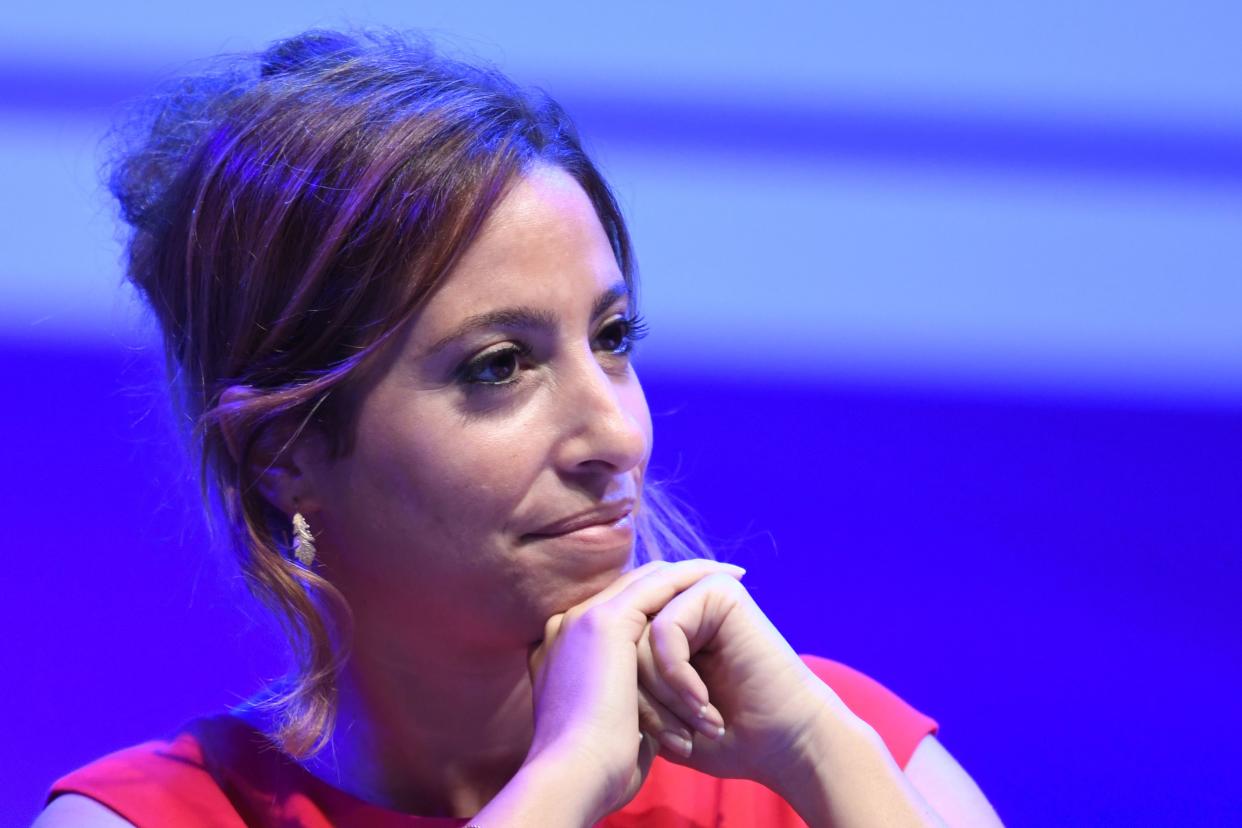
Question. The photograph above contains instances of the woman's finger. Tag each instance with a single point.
(662, 724)
(683, 572)
(694, 708)
(623, 580)
(649, 593)
(685, 625)
(645, 589)
(539, 651)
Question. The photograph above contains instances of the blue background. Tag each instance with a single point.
(945, 305)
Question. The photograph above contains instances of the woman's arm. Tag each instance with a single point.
(947, 787)
(546, 791)
(934, 790)
(77, 811)
(843, 775)
(785, 727)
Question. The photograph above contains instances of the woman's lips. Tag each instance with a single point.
(603, 535)
(604, 515)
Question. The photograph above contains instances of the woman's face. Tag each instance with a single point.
(507, 415)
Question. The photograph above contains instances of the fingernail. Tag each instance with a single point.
(710, 730)
(735, 569)
(710, 723)
(696, 704)
(677, 743)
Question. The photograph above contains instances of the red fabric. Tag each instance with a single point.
(218, 771)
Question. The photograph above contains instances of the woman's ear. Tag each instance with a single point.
(286, 460)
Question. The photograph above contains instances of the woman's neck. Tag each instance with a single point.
(433, 737)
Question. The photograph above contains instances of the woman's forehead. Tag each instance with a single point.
(542, 244)
(542, 252)
(544, 215)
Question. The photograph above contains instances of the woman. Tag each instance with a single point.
(399, 302)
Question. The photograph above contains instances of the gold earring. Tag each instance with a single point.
(303, 541)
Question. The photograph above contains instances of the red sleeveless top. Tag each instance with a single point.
(219, 771)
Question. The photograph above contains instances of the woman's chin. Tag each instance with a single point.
(572, 593)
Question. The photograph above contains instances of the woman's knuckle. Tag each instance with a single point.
(647, 569)
(726, 583)
(597, 618)
(673, 670)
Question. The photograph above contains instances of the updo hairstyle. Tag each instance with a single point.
(290, 210)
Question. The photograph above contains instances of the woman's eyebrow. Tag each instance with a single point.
(525, 318)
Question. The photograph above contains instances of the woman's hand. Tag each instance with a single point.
(710, 647)
(784, 727)
(589, 732)
(671, 644)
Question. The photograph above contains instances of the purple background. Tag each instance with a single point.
(945, 350)
(1054, 581)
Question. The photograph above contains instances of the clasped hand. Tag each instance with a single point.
(674, 659)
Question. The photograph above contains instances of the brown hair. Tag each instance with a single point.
(289, 211)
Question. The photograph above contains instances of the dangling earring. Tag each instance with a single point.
(303, 541)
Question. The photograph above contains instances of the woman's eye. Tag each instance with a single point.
(494, 368)
(504, 366)
(619, 336)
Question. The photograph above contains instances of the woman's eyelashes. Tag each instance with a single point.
(504, 365)
(620, 335)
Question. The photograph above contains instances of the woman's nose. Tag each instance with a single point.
(609, 426)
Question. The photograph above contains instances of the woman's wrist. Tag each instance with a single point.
(546, 791)
(841, 773)
(808, 781)
(817, 747)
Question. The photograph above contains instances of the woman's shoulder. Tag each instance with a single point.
(899, 724)
(167, 781)
(214, 771)
(72, 810)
